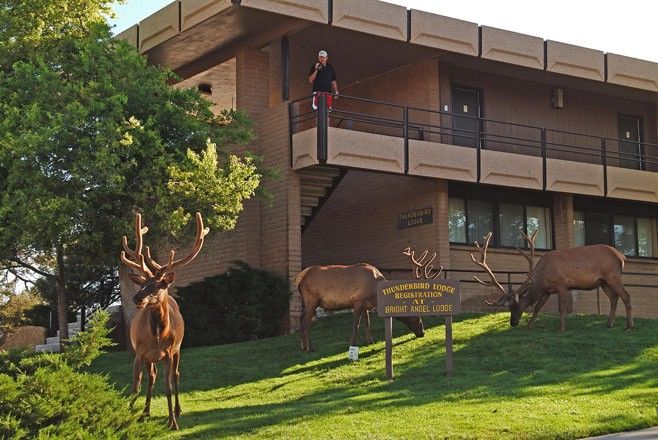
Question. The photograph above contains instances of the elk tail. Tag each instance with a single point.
(300, 276)
(378, 274)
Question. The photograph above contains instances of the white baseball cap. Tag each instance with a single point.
(322, 53)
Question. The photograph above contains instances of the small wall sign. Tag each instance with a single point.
(417, 217)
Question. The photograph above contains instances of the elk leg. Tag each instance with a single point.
(173, 424)
(152, 372)
(542, 300)
(177, 410)
(369, 340)
(620, 290)
(613, 297)
(562, 307)
(137, 379)
(305, 325)
(358, 310)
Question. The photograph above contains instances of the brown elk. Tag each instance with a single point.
(583, 268)
(157, 329)
(343, 287)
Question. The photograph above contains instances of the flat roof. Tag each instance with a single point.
(190, 36)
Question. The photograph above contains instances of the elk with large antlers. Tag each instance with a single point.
(156, 332)
(556, 272)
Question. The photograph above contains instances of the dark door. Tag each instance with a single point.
(630, 146)
(465, 102)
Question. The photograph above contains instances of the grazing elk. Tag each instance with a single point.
(156, 332)
(343, 287)
(583, 268)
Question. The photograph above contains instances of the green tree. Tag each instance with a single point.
(91, 134)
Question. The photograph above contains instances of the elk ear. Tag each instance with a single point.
(137, 279)
(169, 278)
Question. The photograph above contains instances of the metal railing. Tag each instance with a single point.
(413, 123)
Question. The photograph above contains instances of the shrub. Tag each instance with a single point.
(45, 396)
(242, 304)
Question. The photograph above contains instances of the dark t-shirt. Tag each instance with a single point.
(323, 79)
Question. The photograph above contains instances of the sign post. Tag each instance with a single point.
(426, 297)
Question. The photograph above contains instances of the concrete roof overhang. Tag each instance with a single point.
(218, 38)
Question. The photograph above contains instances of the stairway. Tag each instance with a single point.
(317, 184)
(52, 343)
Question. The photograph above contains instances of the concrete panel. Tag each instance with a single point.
(574, 177)
(129, 35)
(513, 48)
(356, 149)
(629, 184)
(159, 27)
(371, 16)
(510, 169)
(632, 72)
(444, 33)
(575, 61)
(431, 159)
(305, 149)
(194, 12)
(312, 10)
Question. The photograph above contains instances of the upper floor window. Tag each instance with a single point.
(632, 235)
(469, 220)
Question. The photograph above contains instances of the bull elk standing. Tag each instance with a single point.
(156, 332)
(343, 287)
(583, 268)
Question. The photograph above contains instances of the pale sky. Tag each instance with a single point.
(623, 27)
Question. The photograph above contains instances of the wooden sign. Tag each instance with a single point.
(417, 217)
(422, 297)
(418, 298)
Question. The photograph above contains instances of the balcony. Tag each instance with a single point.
(374, 135)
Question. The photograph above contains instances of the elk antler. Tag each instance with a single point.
(531, 244)
(201, 232)
(482, 253)
(138, 264)
(426, 266)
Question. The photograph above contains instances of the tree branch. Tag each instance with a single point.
(31, 267)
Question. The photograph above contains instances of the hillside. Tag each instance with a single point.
(509, 383)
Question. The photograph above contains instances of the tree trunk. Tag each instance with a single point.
(61, 298)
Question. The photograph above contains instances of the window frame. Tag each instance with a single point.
(495, 202)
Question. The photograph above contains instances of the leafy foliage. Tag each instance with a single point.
(243, 303)
(46, 396)
(19, 310)
(91, 134)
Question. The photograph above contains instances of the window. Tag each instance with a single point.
(579, 228)
(480, 219)
(633, 236)
(457, 220)
(646, 231)
(625, 234)
(470, 220)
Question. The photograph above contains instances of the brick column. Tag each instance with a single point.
(563, 219)
(441, 222)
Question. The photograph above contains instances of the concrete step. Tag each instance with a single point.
(47, 348)
(72, 331)
(52, 340)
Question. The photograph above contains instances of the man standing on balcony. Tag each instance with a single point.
(323, 78)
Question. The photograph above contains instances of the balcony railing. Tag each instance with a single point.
(413, 123)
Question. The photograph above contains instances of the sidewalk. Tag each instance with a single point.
(645, 434)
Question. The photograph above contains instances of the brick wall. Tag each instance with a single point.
(359, 222)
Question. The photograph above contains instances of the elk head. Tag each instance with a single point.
(514, 299)
(155, 278)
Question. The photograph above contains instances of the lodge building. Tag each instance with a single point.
(444, 130)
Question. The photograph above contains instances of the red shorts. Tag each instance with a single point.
(315, 99)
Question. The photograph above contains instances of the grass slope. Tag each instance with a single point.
(509, 383)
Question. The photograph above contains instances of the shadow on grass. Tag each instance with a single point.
(492, 362)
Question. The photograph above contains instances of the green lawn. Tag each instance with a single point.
(509, 383)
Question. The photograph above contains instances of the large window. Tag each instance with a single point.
(470, 220)
(631, 235)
